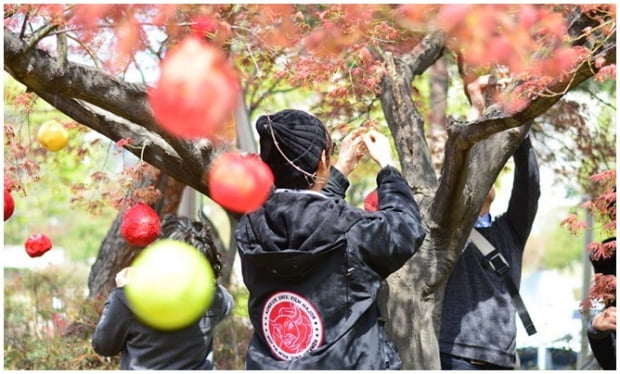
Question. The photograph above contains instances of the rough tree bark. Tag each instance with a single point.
(437, 133)
(474, 154)
(115, 252)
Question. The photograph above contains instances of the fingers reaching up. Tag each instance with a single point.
(351, 151)
(378, 147)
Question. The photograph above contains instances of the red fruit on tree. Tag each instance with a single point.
(140, 225)
(9, 204)
(239, 182)
(37, 244)
(197, 91)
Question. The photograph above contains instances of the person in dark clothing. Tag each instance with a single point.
(478, 325)
(145, 348)
(602, 328)
(313, 264)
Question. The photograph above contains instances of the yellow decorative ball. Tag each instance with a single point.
(53, 136)
(171, 285)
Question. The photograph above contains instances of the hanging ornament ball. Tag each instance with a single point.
(239, 182)
(140, 225)
(9, 204)
(36, 245)
(53, 136)
(171, 285)
(197, 91)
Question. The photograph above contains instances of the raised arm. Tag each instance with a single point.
(523, 203)
(348, 158)
(390, 236)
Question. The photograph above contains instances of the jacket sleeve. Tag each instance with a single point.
(111, 331)
(336, 186)
(523, 203)
(222, 306)
(603, 347)
(390, 236)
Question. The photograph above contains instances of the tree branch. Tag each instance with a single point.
(459, 181)
(39, 71)
(577, 24)
(90, 53)
(126, 102)
(486, 138)
(424, 54)
(22, 31)
(62, 50)
(38, 35)
(405, 122)
(495, 122)
(157, 151)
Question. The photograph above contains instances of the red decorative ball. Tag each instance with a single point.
(197, 91)
(37, 244)
(140, 225)
(371, 201)
(239, 182)
(9, 204)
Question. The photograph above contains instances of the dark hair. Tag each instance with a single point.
(195, 233)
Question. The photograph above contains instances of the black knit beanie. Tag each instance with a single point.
(291, 143)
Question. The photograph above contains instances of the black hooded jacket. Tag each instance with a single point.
(313, 266)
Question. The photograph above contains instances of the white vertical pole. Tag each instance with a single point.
(586, 281)
(541, 358)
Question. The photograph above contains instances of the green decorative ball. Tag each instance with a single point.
(171, 285)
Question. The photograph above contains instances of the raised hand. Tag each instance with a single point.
(378, 147)
(122, 277)
(351, 151)
(606, 320)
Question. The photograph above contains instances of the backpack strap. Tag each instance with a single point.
(498, 263)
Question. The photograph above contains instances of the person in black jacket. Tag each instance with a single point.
(313, 264)
(602, 328)
(145, 348)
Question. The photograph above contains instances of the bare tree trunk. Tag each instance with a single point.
(411, 304)
(228, 259)
(437, 119)
(115, 252)
(227, 253)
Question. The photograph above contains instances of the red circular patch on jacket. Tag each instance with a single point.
(291, 325)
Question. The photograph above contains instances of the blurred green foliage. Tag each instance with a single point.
(562, 249)
(45, 204)
(48, 323)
